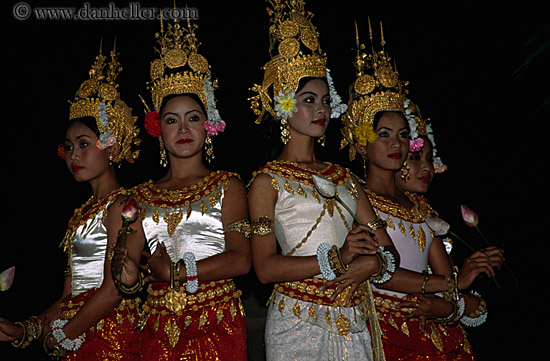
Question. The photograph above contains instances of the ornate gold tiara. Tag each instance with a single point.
(181, 69)
(98, 97)
(295, 54)
(377, 87)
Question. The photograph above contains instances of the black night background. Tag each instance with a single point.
(465, 64)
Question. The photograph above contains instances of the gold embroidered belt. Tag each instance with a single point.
(308, 290)
(166, 301)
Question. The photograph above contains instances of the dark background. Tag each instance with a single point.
(460, 58)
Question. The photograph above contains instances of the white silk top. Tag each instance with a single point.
(303, 218)
(186, 220)
(86, 244)
(409, 232)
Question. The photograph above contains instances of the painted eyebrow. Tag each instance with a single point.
(404, 128)
(313, 93)
(189, 111)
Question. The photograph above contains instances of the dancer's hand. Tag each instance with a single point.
(426, 308)
(158, 264)
(358, 242)
(130, 269)
(478, 263)
(9, 331)
(359, 270)
(496, 256)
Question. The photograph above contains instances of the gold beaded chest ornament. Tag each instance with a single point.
(295, 54)
(180, 69)
(98, 97)
(419, 127)
(377, 88)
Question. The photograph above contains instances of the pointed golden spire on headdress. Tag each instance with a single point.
(99, 98)
(377, 87)
(295, 54)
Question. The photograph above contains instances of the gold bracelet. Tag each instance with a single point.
(424, 282)
(242, 226)
(21, 342)
(132, 289)
(382, 269)
(453, 318)
(262, 226)
(335, 260)
(32, 330)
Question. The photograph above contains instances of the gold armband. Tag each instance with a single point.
(242, 226)
(262, 226)
(377, 223)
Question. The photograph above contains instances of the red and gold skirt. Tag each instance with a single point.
(403, 340)
(206, 325)
(113, 338)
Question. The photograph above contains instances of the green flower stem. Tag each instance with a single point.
(126, 225)
(473, 250)
(505, 264)
(350, 212)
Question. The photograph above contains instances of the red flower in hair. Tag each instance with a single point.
(152, 123)
(61, 151)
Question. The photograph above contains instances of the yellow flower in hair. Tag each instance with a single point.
(286, 105)
(365, 134)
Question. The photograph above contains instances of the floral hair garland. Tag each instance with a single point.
(106, 139)
(416, 143)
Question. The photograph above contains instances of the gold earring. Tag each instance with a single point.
(163, 159)
(404, 170)
(364, 156)
(209, 147)
(322, 140)
(285, 134)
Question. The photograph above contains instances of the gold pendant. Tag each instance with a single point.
(342, 323)
(296, 309)
(172, 331)
(312, 312)
(421, 239)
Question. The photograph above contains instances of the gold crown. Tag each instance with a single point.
(98, 97)
(181, 69)
(377, 87)
(298, 55)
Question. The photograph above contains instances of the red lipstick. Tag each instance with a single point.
(184, 141)
(395, 155)
(424, 179)
(321, 122)
(77, 168)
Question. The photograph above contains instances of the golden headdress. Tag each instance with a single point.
(181, 69)
(295, 41)
(98, 97)
(420, 126)
(376, 88)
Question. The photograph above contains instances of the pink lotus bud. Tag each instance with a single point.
(439, 226)
(6, 279)
(130, 211)
(470, 217)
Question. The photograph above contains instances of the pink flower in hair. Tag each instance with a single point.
(415, 145)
